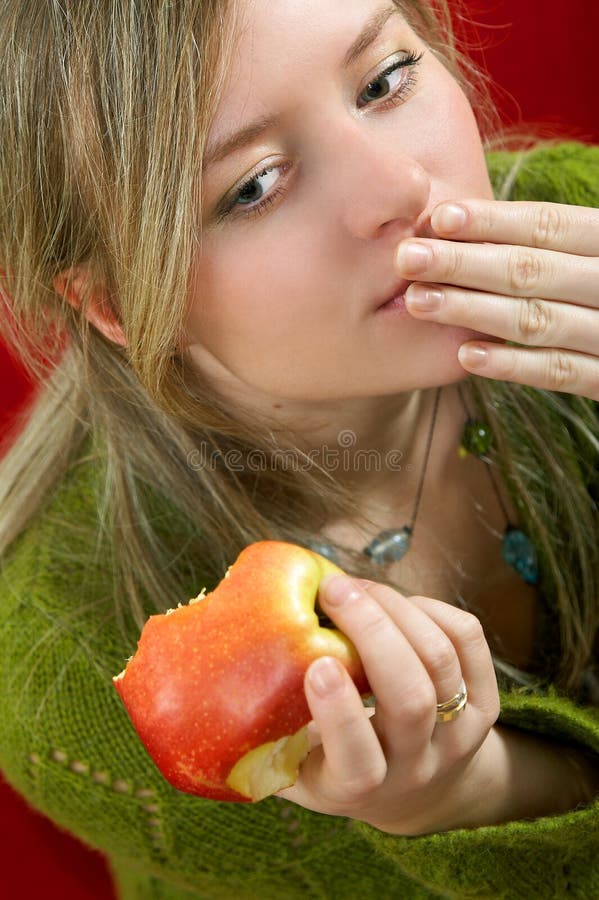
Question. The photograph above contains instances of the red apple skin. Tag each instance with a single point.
(213, 680)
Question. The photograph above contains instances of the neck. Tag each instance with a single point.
(384, 465)
(374, 446)
(377, 448)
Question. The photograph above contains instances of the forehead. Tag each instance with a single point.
(301, 23)
(276, 41)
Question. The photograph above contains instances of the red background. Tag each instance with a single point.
(544, 56)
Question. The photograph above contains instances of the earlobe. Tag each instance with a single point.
(72, 285)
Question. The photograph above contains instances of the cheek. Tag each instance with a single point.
(242, 292)
(461, 126)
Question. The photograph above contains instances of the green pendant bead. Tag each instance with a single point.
(476, 439)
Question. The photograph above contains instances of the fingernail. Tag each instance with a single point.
(325, 676)
(337, 589)
(473, 355)
(413, 258)
(449, 218)
(422, 298)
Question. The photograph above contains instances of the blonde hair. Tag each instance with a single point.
(105, 112)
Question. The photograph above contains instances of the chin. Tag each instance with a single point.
(443, 367)
(455, 335)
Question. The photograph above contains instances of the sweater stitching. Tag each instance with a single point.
(44, 646)
(146, 799)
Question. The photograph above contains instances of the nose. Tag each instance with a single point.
(380, 187)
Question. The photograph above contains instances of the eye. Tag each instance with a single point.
(256, 187)
(257, 192)
(394, 81)
(261, 189)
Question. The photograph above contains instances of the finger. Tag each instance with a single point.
(538, 323)
(510, 270)
(354, 761)
(403, 690)
(440, 629)
(552, 370)
(432, 644)
(467, 636)
(315, 741)
(352, 750)
(549, 226)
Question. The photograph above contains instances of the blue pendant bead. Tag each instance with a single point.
(389, 546)
(325, 550)
(519, 552)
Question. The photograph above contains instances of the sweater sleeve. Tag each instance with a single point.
(553, 856)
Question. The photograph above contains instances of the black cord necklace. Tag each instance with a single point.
(391, 545)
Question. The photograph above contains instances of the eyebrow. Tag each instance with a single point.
(244, 136)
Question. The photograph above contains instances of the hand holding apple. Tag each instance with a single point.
(215, 689)
(403, 767)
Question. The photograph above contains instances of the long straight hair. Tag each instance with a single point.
(104, 112)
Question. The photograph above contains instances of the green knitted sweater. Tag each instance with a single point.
(67, 745)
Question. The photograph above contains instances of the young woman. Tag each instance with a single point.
(288, 304)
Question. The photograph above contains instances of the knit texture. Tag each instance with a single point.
(67, 745)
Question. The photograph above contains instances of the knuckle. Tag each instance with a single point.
(486, 216)
(451, 262)
(548, 224)
(470, 629)
(420, 777)
(417, 706)
(443, 658)
(488, 709)
(561, 370)
(364, 783)
(375, 625)
(534, 321)
(493, 709)
(524, 270)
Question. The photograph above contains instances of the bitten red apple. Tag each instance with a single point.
(215, 688)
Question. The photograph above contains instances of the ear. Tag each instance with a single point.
(74, 284)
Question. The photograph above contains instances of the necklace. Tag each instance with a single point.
(391, 544)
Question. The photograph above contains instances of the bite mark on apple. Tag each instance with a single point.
(271, 767)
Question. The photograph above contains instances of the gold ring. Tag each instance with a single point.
(451, 709)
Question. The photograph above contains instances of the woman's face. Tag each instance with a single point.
(303, 219)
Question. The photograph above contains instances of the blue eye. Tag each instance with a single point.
(256, 197)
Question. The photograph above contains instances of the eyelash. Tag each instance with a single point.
(408, 62)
